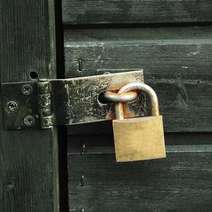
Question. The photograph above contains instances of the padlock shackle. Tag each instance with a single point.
(142, 87)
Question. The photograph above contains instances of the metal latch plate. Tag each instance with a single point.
(70, 101)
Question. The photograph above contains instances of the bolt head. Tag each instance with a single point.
(26, 89)
(29, 121)
(12, 106)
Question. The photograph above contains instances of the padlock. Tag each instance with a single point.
(139, 138)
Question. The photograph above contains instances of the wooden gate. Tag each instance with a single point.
(171, 41)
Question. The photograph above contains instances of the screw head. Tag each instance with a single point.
(29, 121)
(26, 89)
(12, 106)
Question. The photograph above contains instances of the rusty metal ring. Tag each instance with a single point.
(124, 97)
(145, 88)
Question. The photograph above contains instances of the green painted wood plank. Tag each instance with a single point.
(181, 182)
(28, 158)
(176, 61)
(136, 11)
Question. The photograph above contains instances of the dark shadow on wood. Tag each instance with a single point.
(62, 131)
(135, 25)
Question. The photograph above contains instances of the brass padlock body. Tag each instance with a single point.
(139, 138)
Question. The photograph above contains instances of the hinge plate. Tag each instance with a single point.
(50, 102)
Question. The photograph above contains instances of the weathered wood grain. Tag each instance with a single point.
(181, 182)
(176, 61)
(2, 168)
(28, 159)
(136, 11)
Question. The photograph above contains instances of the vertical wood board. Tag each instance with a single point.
(28, 158)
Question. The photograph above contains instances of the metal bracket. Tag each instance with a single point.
(49, 102)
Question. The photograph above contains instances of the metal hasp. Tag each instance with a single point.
(49, 102)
